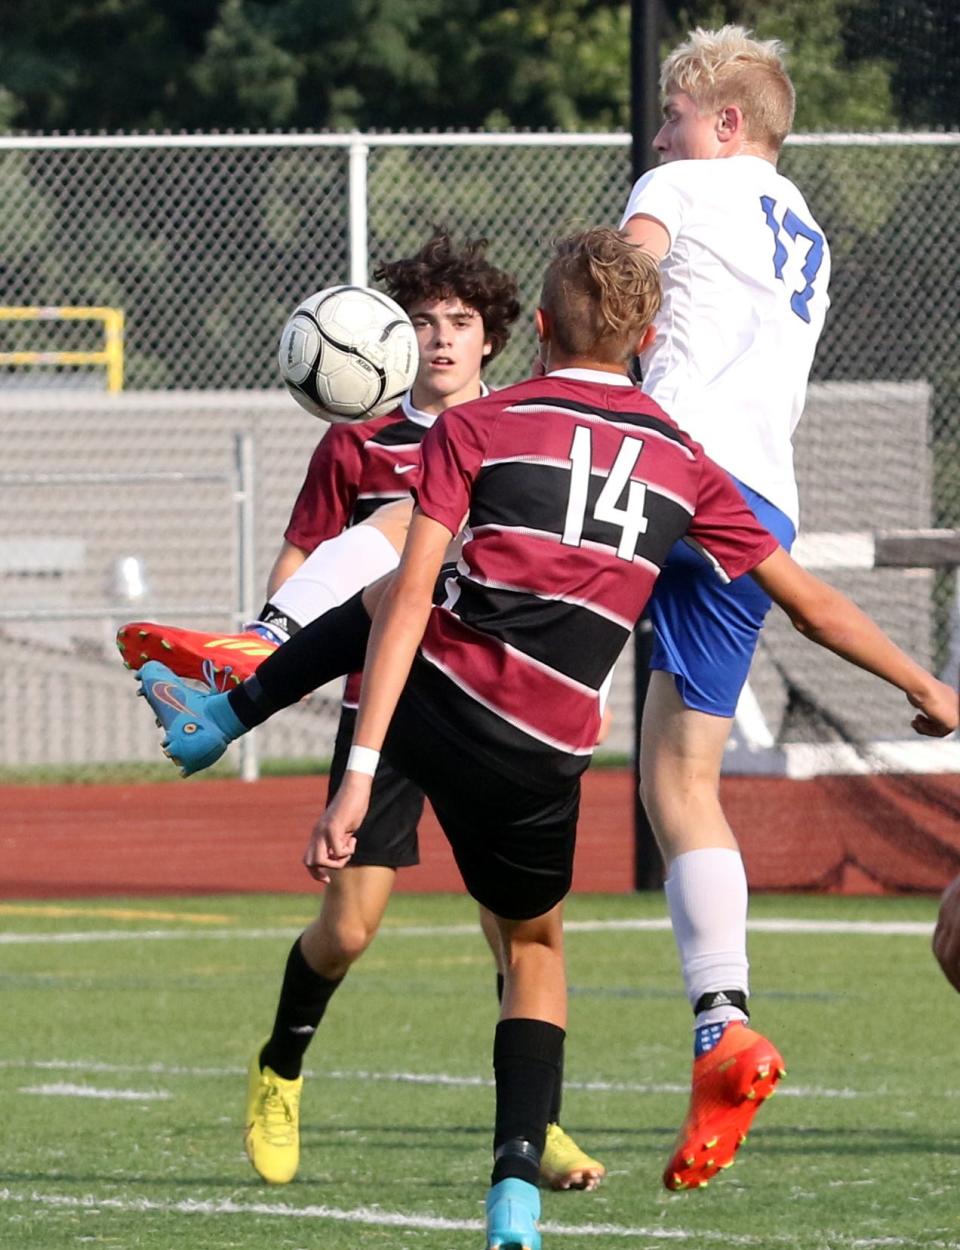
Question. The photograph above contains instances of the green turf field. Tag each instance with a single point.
(127, 1026)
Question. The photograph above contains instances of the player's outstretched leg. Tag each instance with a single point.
(513, 1208)
(563, 1165)
(730, 1081)
(329, 576)
(187, 652)
(272, 1124)
(199, 725)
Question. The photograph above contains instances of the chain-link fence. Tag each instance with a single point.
(206, 242)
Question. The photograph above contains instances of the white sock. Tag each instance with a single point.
(334, 572)
(707, 896)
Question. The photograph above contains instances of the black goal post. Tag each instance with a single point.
(646, 23)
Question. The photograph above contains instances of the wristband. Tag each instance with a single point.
(363, 760)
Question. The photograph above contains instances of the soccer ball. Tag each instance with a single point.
(348, 354)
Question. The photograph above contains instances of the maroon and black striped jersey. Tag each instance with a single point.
(571, 490)
(355, 469)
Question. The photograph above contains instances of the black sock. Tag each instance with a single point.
(526, 1062)
(554, 1117)
(303, 1000)
(555, 1102)
(331, 646)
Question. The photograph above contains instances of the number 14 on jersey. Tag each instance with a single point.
(630, 518)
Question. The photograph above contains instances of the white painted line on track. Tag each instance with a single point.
(63, 1089)
(440, 1079)
(143, 935)
(854, 928)
(98, 1067)
(433, 1223)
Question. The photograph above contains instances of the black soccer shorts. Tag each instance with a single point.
(513, 845)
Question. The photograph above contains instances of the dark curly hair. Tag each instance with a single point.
(441, 270)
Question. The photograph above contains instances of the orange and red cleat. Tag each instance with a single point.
(729, 1084)
(191, 653)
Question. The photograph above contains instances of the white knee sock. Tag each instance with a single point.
(334, 572)
(707, 896)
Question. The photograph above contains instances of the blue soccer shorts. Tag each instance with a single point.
(706, 631)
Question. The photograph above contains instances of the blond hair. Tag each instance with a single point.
(729, 66)
(601, 292)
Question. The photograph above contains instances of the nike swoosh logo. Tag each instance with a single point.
(404, 468)
(163, 692)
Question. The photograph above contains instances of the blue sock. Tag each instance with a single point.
(264, 631)
(706, 1036)
(217, 708)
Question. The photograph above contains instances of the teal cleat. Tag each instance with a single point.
(513, 1208)
(199, 725)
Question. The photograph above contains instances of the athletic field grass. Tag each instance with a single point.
(127, 1027)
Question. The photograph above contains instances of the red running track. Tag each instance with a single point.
(852, 835)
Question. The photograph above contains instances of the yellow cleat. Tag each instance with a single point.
(272, 1133)
(564, 1165)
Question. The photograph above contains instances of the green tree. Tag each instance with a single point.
(100, 64)
(921, 42)
(424, 64)
(244, 73)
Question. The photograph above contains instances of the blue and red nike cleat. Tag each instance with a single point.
(199, 725)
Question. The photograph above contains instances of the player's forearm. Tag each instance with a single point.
(397, 631)
(840, 626)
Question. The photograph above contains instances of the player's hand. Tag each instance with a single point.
(939, 710)
(946, 936)
(332, 841)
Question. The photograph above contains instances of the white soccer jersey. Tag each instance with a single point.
(744, 299)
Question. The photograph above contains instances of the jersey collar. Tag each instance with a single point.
(426, 419)
(592, 375)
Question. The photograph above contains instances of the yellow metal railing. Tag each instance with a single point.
(111, 356)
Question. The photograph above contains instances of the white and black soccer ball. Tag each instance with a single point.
(348, 354)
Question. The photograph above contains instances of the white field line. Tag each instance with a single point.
(63, 1089)
(440, 1079)
(861, 928)
(142, 935)
(433, 1223)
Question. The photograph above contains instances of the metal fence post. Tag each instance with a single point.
(357, 211)
(244, 461)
